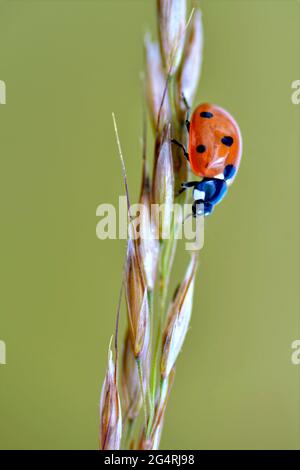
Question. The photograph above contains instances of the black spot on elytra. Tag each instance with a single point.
(200, 148)
(227, 140)
(206, 114)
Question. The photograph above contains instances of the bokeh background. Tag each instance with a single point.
(67, 66)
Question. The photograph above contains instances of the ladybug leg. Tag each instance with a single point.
(174, 141)
(186, 185)
(202, 208)
(189, 184)
(180, 192)
(187, 119)
(187, 124)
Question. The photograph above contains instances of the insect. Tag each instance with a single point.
(214, 153)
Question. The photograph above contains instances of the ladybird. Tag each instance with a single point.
(214, 153)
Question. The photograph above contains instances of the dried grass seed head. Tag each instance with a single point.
(110, 410)
(178, 320)
(152, 442)
(171, 17)
(163, 184)
(132, 397)
(190, 68)
(136, 298)
(148, 240)
(157, 98)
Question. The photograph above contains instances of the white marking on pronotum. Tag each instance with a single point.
(198, 195)
(2, 352)
(2, 92)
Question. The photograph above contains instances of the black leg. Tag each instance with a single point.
(198, 208)
(174, 141)
(186, 185)
(187, 121)
(189, 184)
(180, 191)
(202, 208)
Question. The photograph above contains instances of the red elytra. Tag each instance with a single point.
(214, 141)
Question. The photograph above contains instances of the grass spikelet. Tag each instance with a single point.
(110, 409)
(156, 328)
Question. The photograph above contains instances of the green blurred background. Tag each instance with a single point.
(67, 65)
